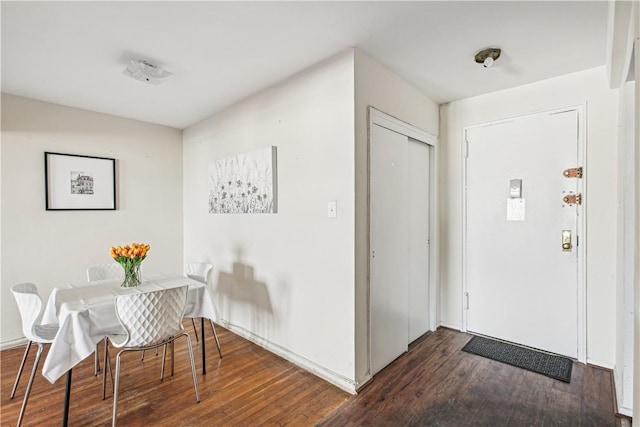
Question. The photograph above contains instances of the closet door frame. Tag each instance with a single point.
(377, 117)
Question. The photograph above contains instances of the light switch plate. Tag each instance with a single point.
(332, 209)
(515, 189)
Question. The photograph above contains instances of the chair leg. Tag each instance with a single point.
(195, 330)
(115, 391)
(96, 362)
(164, 358)
(172, 356)
(193, 367)
(28, 390)
(24, 358)
(215, 335)
(107, 367)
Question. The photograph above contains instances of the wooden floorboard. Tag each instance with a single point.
(437, 384)
(434, 384)
(248, 386)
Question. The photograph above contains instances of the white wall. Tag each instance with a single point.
(53, 248)
(587, 87)
(626, 231)
(378, 87)
(636, 261)
(284, 280)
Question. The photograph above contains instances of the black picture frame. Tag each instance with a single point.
(75, 182)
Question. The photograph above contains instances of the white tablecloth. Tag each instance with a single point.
(87, 314)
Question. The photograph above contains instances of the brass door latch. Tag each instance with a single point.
(573, 199)
(573, 173)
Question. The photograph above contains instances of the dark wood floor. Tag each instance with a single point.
(434, 384)
(249, 386)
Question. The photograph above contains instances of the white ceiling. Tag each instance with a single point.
(73, 53)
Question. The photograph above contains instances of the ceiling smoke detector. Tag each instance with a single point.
(146, 72)
(486, 57)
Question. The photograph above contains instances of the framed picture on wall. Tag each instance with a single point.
(244, 183)
(75, 182)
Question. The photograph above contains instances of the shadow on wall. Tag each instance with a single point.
(245, 301)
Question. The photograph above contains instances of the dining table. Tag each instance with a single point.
(86, 314)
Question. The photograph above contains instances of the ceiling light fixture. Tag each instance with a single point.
(146, 72)
(487, 56)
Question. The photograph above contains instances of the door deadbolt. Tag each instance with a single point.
(566, 240)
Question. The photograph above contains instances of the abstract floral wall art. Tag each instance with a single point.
(244, 183)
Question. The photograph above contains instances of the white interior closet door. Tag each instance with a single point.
(418, 238)
(389, 298)
(400, 208)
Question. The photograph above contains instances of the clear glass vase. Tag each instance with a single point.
(131, 275)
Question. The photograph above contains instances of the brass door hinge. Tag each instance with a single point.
(573, 173)
(573, 199)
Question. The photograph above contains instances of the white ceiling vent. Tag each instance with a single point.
(146, 72)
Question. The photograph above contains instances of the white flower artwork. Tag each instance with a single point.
(244, 183)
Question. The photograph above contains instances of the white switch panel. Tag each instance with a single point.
(515, 188)
(332, 209)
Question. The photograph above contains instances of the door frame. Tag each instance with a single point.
(377, 117)
(580, 223)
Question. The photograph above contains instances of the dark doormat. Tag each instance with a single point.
(556, 367)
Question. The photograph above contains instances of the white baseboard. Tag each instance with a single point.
(450, 326)
(6, 345)
(600, 364)
(338, 380)
(625, 411)
(617, 387)
(362, 381)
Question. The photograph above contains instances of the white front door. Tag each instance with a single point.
(522, 285)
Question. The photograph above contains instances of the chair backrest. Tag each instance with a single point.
(105, 272)
(151, 317)
(199, 270)
(30, 307)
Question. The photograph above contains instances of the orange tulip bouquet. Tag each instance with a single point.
(130, 257)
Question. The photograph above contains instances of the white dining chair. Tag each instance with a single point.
(200, 271)
(111, 271)
(150, 320)
(31, 307)
(97, 274)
